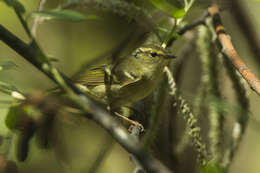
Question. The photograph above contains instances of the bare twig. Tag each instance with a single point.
(230, 52)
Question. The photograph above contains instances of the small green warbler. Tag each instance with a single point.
(132, 78)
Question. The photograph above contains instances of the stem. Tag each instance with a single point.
(165, 43)
(24, 24)
(188, 27)
(188, 6)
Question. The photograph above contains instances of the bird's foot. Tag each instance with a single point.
(132, 122)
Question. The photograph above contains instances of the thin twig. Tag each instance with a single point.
(188, 27)
(170, 35)
(23, 22)
(229, 50)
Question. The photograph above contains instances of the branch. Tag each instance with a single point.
(184, 29)
(230, 52)
(33, 54)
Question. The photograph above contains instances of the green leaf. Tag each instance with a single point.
(172, 8)
(13, 117)
(62, 15)
(16, 5)
(212, 168)
(7, 65)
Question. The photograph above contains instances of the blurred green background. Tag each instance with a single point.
(74, 43)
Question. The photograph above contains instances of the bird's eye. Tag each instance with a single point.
(153, 54)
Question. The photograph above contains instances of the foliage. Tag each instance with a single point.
(212, 168)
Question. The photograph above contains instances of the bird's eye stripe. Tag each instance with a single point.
(151, 53)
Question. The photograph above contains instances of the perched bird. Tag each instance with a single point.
(130, 79)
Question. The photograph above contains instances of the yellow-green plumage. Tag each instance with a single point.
(132, 78)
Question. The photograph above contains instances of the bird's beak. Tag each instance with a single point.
(169, 56)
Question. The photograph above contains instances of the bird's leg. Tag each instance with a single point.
(132, 122)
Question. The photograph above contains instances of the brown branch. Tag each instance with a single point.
(229, 51)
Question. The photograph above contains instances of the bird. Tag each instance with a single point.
(131, 78)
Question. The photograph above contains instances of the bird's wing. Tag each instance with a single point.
(93, 77)
(96, 76)
(129, 79)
